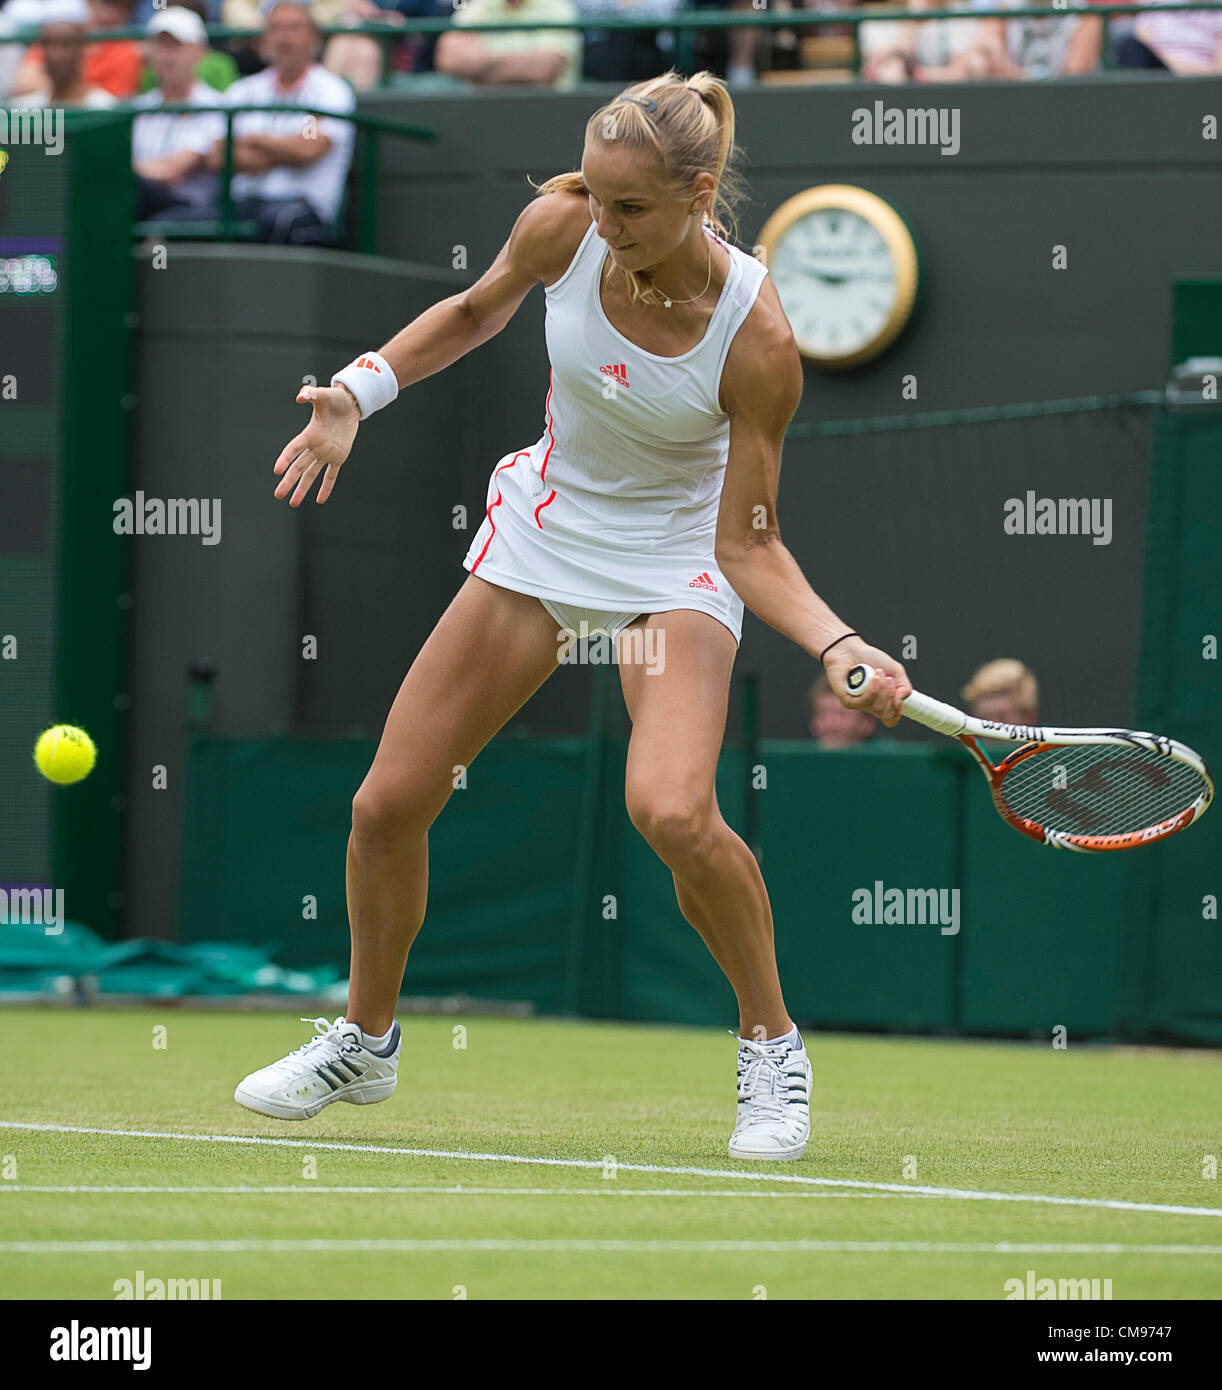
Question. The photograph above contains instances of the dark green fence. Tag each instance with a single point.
(516, 911)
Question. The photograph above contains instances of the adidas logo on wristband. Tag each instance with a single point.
(370, 379)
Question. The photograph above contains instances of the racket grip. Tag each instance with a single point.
(941, 718)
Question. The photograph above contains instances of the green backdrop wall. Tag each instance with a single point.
(518, 911)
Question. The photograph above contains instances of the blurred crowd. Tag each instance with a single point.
(290, 171)
(524, 55)
(949, 43)
(953, 46)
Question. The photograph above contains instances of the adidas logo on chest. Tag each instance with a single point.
(617, 371)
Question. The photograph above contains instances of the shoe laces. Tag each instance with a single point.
(327, 1043)
(761, 1080)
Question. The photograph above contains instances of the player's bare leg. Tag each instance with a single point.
(489, 653)
(678, 722)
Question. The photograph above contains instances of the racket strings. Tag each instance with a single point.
(1100, 789)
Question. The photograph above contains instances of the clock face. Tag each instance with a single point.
(845, 270)
(836, 280)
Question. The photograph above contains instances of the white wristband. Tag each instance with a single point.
(371, 381)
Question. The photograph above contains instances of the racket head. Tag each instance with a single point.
(1097, 790)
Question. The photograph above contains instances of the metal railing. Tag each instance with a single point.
(686, 22)
(975, 415)
(228, 227)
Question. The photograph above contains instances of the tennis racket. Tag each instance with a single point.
(1083, 789)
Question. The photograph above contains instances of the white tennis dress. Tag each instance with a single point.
(612, 512)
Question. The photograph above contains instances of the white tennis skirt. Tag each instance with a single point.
(521, 546)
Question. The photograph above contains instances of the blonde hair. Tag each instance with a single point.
(687, 137)
(1005, 676)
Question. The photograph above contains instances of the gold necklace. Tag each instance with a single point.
(703, 292)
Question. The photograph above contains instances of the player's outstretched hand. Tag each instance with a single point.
(885, 693)
(323, 444)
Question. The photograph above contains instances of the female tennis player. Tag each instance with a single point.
(648, 501)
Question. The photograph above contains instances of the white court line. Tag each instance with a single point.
(680, 1247)
(609, 1189)
(957, 1193)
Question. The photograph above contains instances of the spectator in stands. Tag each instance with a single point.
(59, 77)
(291, 167)
(1037, 47)
(216, 69)
(418, 52)
(934, 50)
(531, 57)
(961, 48)
(1004, 691)
(1182, 41)
(359, 58)
(114, 65)
(249, 14)
(170, 153)
(830, 724)
(626, 55)
(742, 64)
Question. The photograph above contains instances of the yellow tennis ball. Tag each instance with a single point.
(65, 753)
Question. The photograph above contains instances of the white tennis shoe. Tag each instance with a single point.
(774, 1081)
(334, 1065)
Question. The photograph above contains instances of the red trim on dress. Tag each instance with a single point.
(488, 514)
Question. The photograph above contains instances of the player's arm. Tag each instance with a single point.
(761, 387)
(543, 241)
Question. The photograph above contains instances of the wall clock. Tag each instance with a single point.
(846, 270)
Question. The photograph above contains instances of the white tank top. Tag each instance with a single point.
(615, 505)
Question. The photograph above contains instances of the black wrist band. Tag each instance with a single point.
(830, 645)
